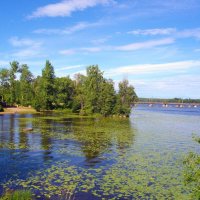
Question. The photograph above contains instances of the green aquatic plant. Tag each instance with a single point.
(125, 168)
(17, 195)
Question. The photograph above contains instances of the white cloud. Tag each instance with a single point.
(28, 52)
(128, 47)
(17, 42)
(78, 27)
(181, 66)
(156, 31)
(67, 52)
(66, 8)
(195, 32)
(185, 86)
(145, 45)
(189, 33)
(26, 47)
(100, 40)
(48, 31)
(91, 49)
(69, 68)
(80, 50)
(69, 30)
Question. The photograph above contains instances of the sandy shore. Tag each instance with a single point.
(14, 110)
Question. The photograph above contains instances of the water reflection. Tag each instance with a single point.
(57, 138)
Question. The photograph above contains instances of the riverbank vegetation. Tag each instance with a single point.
(192, 172)
(85, 94)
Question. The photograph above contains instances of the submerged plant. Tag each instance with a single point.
(17, 195)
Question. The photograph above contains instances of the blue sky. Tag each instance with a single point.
(155, 44)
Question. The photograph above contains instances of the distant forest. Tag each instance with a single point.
(85, 94)
(173, 100)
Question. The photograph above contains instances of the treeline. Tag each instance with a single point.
(86, 94)
(173, 100)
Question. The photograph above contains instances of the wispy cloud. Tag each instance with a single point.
(127, 47)
(67, 52)
(69, 30)
(100, 40)
(27, 53)
(66, 8)
(145, 45)
(186, 86)
(182, 66)
(189, 33)
(91, 49)
(156, 31)
(26, 47)
(186, 33)
(80, 50)
(17, 42)
(69, 68)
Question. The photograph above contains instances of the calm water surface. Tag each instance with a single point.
(136, 158)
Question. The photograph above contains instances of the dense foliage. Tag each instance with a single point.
(192, 172)
(86, 94)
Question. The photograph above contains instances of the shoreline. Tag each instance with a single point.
(15, 110)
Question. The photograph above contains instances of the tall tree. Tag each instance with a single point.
(107, 97)
(79, 98)
(4, 84)
(48, 92)
(93, 89)
(14, 68)
(26, 79)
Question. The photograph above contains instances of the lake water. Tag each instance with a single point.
(66, 156)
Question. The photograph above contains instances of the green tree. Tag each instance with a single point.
(125, 98)
(14, 68)
(38, 102)
(79, 98)
(64, 88)
(107, 97)
(4, 84)
(26, 79)
(93, 89)
(44, 89)
(48, 80)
